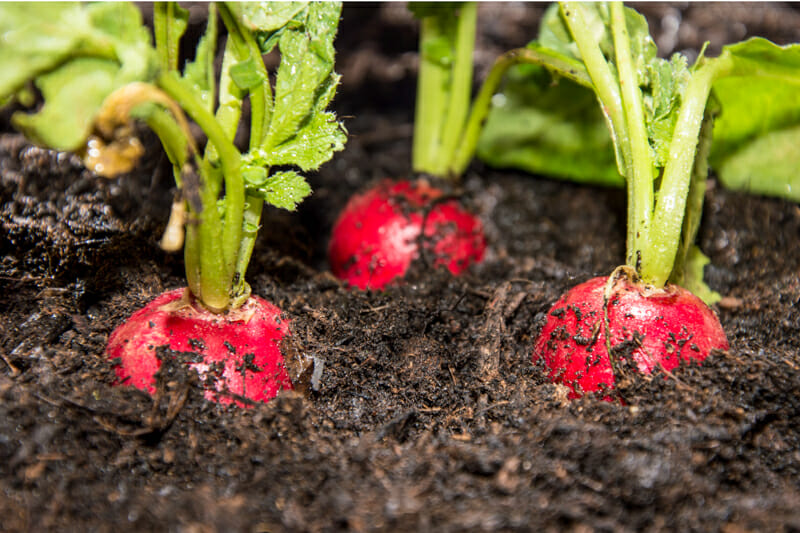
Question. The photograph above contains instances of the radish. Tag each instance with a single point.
(661, 128)
(372, 245)
(216, 217)
(238, 353)
(383, 230)
(607, 318)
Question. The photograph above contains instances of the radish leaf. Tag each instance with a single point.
(283, 189)
(529, 128)
(306, 66)
(265, 17)
(77, 56)
(73, 95)
(756, 136)
(245, 75)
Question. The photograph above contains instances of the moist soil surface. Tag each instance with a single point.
(426, 411)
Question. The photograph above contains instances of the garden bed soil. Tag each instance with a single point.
(426, 411)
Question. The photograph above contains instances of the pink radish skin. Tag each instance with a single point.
(239, 352)
(377, 236)
(671, 325)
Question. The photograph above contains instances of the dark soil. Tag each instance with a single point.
(428, 414)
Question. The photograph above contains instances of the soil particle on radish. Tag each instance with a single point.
(651, 327)
(383, 230)
(238, 354)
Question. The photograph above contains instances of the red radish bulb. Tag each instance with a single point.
(663, 326)
(238, 352)
(380, 231)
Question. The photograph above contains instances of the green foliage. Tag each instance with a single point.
(659, 115)
(246, 75)
(543, 125)
(306, 68)
(757, 134)
(96, 69)
(77, 54)
(269, 17)
(200, 72)
(37, 38)
(73, 95)
(529, 128)
(300, 132)
(284, 189)
(577, 143)
(768, 164)
(314, 142)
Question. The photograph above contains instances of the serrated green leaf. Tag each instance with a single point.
(666, 82)
(285, 190)
(304, 70)
(313, 145)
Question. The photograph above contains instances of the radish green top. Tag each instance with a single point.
(96, 69)
(659, 113)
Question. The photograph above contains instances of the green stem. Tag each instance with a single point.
(536, 55)
(168, 33)
(694, 200)
(169, 133)
(659, 258)
(639, 168)
(175, 145)
(604, 83)
(244, 46)
(431, 102)
(212, 32)
(217, 272)
(229, 111)
(460, 87)
(252, 221)
(261, 104)
(192, 256)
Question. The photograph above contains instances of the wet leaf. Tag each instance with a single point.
(284, 189)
